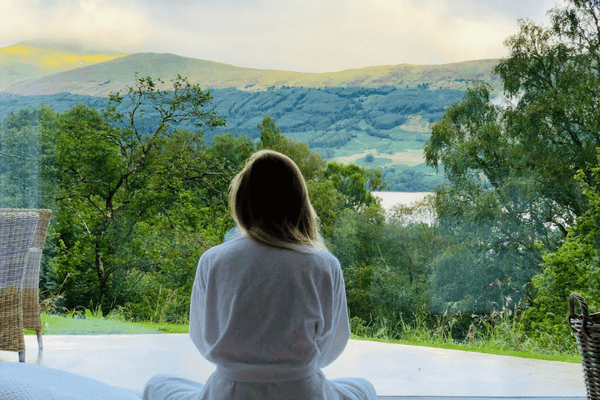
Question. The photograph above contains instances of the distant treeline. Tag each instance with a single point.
(326, 119)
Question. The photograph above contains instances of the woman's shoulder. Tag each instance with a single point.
(231, 244)
(242, 243)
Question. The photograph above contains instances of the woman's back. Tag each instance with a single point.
(262, 311)
(270, 314)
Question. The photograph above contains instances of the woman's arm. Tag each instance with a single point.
(197, 308)
(335, 310)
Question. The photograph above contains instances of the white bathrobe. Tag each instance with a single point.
(270, 320)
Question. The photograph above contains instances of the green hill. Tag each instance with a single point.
(27, 61)
(104, 77)
(377, 116)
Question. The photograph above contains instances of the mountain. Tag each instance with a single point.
(32, 73)
(27, 61)
(376, 116)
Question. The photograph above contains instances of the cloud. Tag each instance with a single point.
(94, 22)
(317, 36)
(308, 35)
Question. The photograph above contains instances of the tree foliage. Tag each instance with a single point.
(136, 202)
(572, 268)
(114, 174)
(512, 167)
(555, 72)
(309, 162)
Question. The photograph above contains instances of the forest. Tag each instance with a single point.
(516, 222)
(333, 121)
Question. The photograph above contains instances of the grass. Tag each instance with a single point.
(500, 333)
(377, 162)
(489, 349)
(94, 324)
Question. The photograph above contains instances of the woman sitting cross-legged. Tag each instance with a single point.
(269, 306)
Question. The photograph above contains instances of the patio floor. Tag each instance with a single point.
(401, 371)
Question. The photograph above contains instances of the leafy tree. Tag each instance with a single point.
(386, 265)
(554, 73)
(548, 133)
(270, 134)
(328, 203)
(470, 140)
(512, 168)
(309, 162)
(355, 182)
(572, 268)
(235, 150)
(115, 175)
(19, 165)
(355, 244)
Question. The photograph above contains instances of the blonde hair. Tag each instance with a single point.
(269, 202)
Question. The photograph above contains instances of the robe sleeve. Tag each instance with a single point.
(197, 309)
(335, 309)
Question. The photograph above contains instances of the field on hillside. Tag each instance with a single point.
(342, 124)
(376, 117)
(26, 61)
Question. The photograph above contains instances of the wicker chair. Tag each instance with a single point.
(31, 278)
(17, 229)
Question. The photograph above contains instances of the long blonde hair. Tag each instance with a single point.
(269, 202)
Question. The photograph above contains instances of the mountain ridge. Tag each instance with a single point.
(383, 112)
(118, 71)
(25, 61)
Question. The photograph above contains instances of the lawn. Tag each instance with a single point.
(91, 324)
(94, 325)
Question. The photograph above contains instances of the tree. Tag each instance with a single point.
(355, 244)
(235, 150)
(547, 133)
(512, 168)
(19, 162)
(310, 163)
(270, 134)
(572, 268)
(554, 74)
(355, 182)
(470, 140)
(115, 175)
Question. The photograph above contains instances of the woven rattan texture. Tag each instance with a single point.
(17, 229)
(31, 310)
(31, 275)
(587, 329)
(11, 331)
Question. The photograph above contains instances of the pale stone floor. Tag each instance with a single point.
(422, 373)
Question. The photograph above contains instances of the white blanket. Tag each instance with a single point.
(20, 381)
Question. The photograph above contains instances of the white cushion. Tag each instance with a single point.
(20, 381)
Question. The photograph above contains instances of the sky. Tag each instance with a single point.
(294, 35)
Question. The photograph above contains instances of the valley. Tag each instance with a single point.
(376, 117)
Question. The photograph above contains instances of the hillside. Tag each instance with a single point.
(27, 61)
(99, 79)
(383, 112)
(343, 124)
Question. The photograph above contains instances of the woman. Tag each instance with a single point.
(268, 307)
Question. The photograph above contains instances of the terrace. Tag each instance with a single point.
(397, 371)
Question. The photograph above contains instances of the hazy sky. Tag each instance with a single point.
(300, 35)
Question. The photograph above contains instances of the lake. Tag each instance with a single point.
(390, 199)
